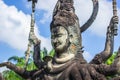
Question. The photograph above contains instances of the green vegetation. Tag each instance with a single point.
(10, 75)
(111, 59)
(109, 62)
(20, 61)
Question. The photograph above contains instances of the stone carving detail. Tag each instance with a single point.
(68, 62)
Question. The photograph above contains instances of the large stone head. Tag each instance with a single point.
(65, 32)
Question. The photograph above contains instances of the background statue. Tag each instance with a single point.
(68, 62)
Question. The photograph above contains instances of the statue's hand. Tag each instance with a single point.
(115, 20)
(113, 24)
(33, 39)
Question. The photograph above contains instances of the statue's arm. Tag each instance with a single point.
(92, 17)
(109, 70)
(36, 56)
(36, 53)
(107, 52)
(109, 44)
(20, 71)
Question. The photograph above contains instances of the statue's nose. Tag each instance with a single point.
(55, 40)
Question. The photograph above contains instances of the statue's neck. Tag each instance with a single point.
(64, 57)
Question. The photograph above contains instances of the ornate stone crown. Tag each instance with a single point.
(64, 15)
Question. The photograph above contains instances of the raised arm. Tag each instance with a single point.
(92, 17)
(109, 44)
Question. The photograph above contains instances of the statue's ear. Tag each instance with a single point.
(71, 37)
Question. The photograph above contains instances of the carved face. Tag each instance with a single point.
(59, 38)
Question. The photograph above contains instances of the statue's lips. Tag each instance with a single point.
(56, 45)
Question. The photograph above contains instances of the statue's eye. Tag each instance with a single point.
(71, 35)
(59, 35)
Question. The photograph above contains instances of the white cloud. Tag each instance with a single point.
(14, 27)
(47, 6)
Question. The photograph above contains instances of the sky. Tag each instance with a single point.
(15, 26)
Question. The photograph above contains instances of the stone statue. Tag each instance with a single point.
(68, 62)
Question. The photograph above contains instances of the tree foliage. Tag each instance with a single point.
(20, 61)
(111, 59)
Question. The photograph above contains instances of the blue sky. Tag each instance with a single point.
(15, 24)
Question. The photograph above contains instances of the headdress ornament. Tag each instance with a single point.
(64, 14)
